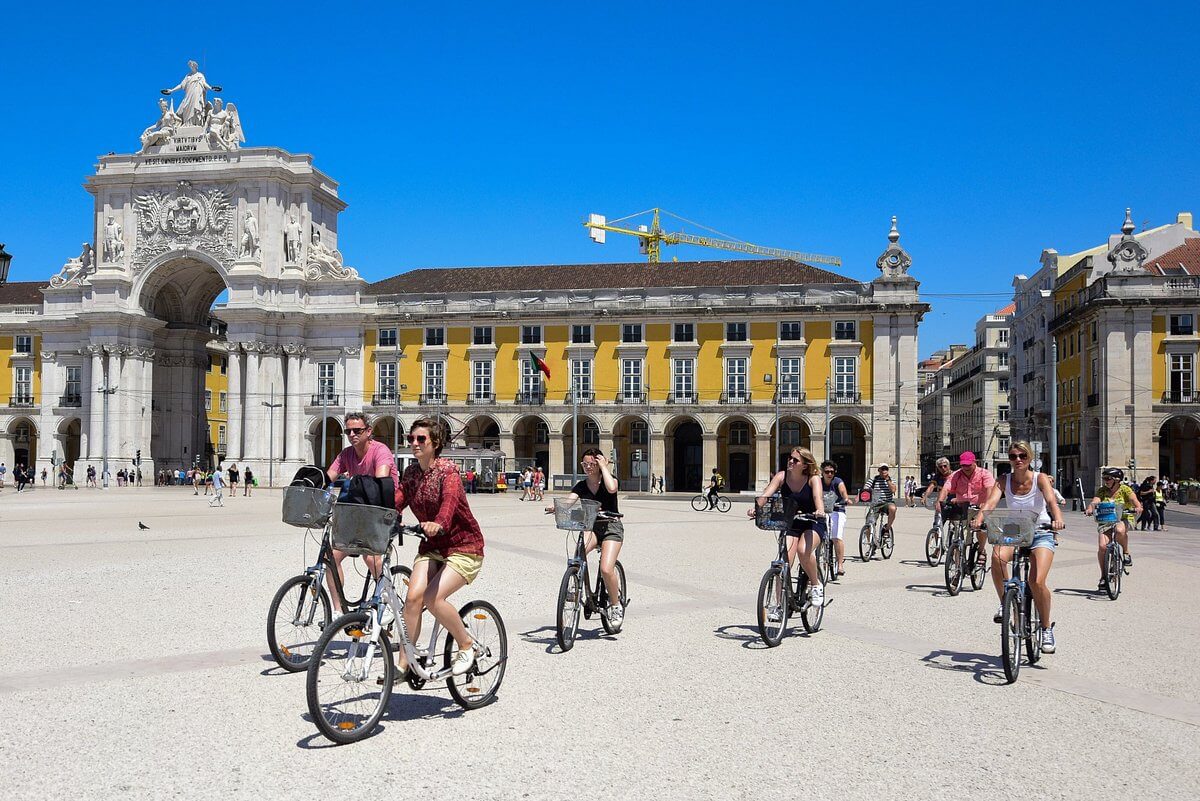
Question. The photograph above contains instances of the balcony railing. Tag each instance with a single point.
(20, 401)
(682, 398)
(535, 398)
(585, 396)
(385, 399)
(1175, 396)
(846, 398)
(736, 396)
(326, 399)
(784, 397)
(481, 397)
(70, 400)
(630, 397)
(432, 399)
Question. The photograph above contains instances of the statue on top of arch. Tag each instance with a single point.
(211, 123)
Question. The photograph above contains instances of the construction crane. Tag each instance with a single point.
(651, 239)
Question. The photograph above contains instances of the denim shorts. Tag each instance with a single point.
(1044, 539)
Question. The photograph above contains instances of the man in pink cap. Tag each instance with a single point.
(969, 485)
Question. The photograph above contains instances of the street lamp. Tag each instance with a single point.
(5, 261)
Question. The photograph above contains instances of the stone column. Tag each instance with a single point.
(763, 462)
(710, 459)
(47, 441)
(113, 429)
(252, 434)
(146, 428)
(233, 406)
(294, 449)
(95, 401)
(273, 393)
(558, 455)
(657, 445)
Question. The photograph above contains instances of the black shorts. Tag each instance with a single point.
(801, 528)
(609, 530)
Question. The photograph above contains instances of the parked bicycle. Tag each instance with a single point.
(1020, 623)
(782, 592)
(1108, 515)
(352, 672)
(700, 503)
(875, 536)
(301, 608)
(964, 555)
(579, 593)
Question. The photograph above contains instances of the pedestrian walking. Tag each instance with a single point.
(19, 477)
(248, 481)
(3, 474)
(218, 486)
(235, 476)
(43, 476)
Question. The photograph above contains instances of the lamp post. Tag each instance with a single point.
(271, 406)
(5, 262)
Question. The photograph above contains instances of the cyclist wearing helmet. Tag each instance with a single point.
(1113, 488)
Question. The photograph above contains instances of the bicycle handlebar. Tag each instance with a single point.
(415, 531)
(602, 515)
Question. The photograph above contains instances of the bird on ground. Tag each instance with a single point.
(143, 526)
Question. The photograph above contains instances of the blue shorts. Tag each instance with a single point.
(1044, 539)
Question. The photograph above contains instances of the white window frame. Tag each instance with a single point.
(388, 334)
(845, 382)
(208, 400)
(581, 377)
(23, 382)
(28, 340)
(386, 374)
(683, 377)
(482, 371)
(633, 333)
(799, 330)
(531, 379)
(1183, 365)
(745, 330)
(77, 390)
(675, 332)
(326, 380)
(632, 371)
(483, 332)
(587, 329)
(853, 330)
(535, 332)
(435, 378)
(737, 378)
(222, 401)
(791, 377)
(440, 336)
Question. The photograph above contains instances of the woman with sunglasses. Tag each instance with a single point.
(450, 556)
(801, 482)
(1116, 490)
(1027, 489)
(837, 515)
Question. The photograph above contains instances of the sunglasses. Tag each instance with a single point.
(1018, 457)
(419, 438)
(793, 460)
(831, 472)
(355, 430)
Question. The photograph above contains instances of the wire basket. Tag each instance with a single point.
(307, 506)
(832, 499)
(1011, 528)
(776, 514)
(878, 497)
(363, 530)
(575, 515)
(1109, 513)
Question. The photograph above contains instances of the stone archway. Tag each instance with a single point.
(685, 455)
(1179, 448)
(848, 449)
(334, 441)
(389, 430)
(482, 431)
(589, 437)
(21, 438)
(631, 438)
(531, 444)
(69, 439)
(735, 453)
(793, 432)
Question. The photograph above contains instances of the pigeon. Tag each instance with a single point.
(143, 526)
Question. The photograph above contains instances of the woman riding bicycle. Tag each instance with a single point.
(837, 515)
(1026, 489)
(1116, 490)
(600, 485)
(940, 476)
(450, 556)
(801, 482)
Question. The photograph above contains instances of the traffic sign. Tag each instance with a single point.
(1036, 464)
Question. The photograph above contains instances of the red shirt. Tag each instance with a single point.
(438, 496)
(376, 454)
(973, 489)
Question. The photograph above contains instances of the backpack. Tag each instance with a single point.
(369, 491)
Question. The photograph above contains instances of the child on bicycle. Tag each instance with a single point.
(1113, 488)
(600, 485)
(801, 482)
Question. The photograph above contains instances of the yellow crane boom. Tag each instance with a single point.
(651, 239)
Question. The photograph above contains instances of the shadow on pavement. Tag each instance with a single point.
(985, 668)
(749, 636)
(936, 590)
(1091, 595)
(548, 636)
(402, 707)
(918, 563)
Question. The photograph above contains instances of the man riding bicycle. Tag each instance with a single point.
(970, 485)
(1114, 489)
(883, 490)
(715, 482)
(939, 479)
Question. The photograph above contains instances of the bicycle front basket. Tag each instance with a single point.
(775, 514)
(1108, 512)
(359, 529)
(575, 515)
(1013, 528)
(306, 506)
(831, 500)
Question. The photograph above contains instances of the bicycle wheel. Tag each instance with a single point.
(772, 606)
(700, 502)
(811, 616)
(306, 613)
(478, 686)
(864, 543)
(887, 543)
(823, 562)
(1113, 569)
(609, 626)
(1033, 633)
(954, 566)
(570, 602)
(401, 575)
(723, 503)
(349, 679)
(1011, 634)
(933, 546)
(978, 572)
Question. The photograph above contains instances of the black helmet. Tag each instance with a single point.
(1114, 472)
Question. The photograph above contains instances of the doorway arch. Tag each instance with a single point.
(685, 455)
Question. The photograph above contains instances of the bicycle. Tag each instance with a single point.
(936, 538)
(962, 553)
(874, 536)
(826, 552)
(1108, 515)
(780, 593)
(1019, 619)
(352, 673)
(700, 503)
(291, 640)
(578, 593)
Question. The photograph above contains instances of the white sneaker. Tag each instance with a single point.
(816, 595)
(999, 616)
(616, 614)
(462, 662)
(387, 617)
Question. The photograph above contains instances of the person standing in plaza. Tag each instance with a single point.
(247, 482)
(218, 487)
(43, 476)
(234, 477)
(539, 484)
(3, 474)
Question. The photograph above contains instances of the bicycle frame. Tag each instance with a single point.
(325, 563)
(580, 560)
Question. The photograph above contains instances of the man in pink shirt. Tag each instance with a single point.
(364, 457)
(970, 485)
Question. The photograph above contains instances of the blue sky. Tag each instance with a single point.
(476, 134)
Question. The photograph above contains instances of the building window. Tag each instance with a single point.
(845, 329)
(735, 332)
(1002, 413)
(74, 382)
(1181, 325)
(685, 332)
(789, 380)
(24, 385)
(386, 382)
(1093, 330)
(1002, 336)
(631, 377)
(1181, 377)
(1002, 359)
(845, 379)
(639, 432)
(435, 336)
(481, 383)
(1095, 376)
(739, 433)
(222, 401)
(24, 343)
(581, 377)
(221, 438)
(1002, 385)
(224, 365)
(531, 335)
(631, 332)
(683, 378)
(531, 379)
(790, 434)
(591, 433)
(208, 400)
(435, 379)
(735, 379)
(387, 337)
(481, 335)
(541, 433)
(791, 331)
(326, 384)
(581, 334)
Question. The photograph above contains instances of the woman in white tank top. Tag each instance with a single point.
(1026, 489)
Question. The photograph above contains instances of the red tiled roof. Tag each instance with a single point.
(1009, 309)
(1186, 256)
(747, 272)
(21, 293)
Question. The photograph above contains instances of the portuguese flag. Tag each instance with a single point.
(537, 364)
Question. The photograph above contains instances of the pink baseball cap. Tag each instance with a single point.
(966, 457)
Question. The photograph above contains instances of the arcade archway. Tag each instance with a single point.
(848, 449)
(685, 455)
(1179, 448)
(531, 443)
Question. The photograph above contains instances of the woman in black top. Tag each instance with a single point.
(802, 483)
(600, 486)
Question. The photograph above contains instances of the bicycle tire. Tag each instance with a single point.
(1011, 635)
(865, 549)
(823, 562)
(772, 595)
(954, 570)
(472, 690)
(700, 502)
(933, 546)
(977, 573)
(811, 616)
(1113, 569)
(569, 606)
(887, 543)
(354, 727)
(294, 655)
(609, 626)
(401, 575)
(723, 504)
(1033, 629)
